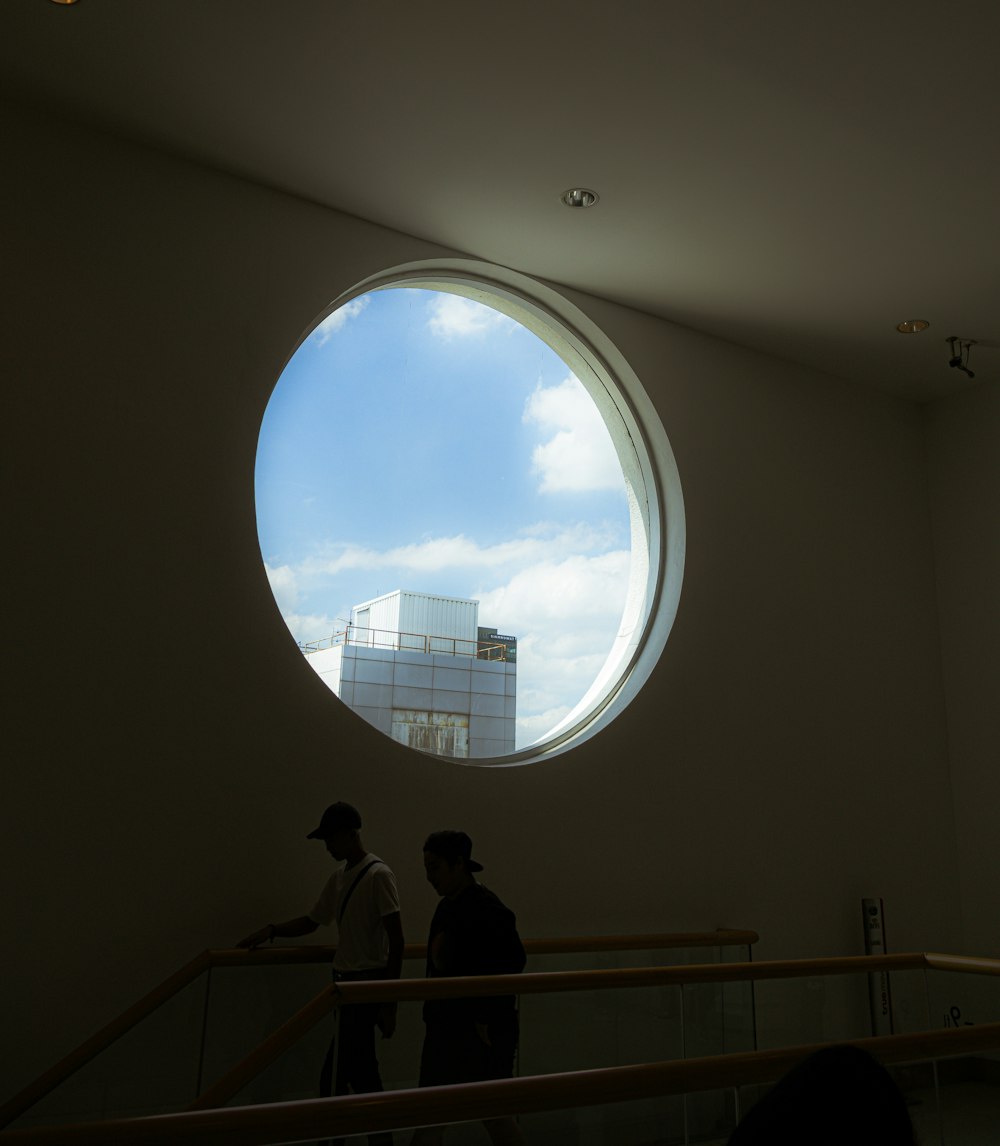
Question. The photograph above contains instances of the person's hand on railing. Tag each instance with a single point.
(256, 938)
(290, 929)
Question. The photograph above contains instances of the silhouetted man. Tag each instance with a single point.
(472, 933)
(362, 899)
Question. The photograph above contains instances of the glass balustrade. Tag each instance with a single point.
(964, 1105)
(960, 999)
(949, 1102)
(248, 1004)
(211, 1025)
(837, 1008)
(215, 1022)
(639, 1122)
(574, 1030)
(966, 1101)
(152, 1069)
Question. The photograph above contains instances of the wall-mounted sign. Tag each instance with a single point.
(878, 982)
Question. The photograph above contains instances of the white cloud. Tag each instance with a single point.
(531, 728)
(306, 627)
(578, 455)
(565, 615)
(284, 582)
(336, 319)
(561, 592)
(561, 605)
(284, 585)
(453, 316)
(460, 552)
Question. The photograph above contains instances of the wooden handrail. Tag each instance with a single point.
(539, 982)
(415, 990)
(394, 1110)
(100, 1041)
(307, 954)
(561, 945)
(967, 964)
(545, 982)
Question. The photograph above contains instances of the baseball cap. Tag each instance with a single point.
(452, 846)
(335, 819)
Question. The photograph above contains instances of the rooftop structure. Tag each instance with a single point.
(420, 669)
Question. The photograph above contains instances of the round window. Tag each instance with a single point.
(460, 513)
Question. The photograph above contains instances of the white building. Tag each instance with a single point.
(418, 667)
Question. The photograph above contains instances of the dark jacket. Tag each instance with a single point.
(473, 934)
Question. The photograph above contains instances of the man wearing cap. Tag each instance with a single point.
(362, 898)
(472, 933)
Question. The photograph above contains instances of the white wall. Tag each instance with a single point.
(787, 757)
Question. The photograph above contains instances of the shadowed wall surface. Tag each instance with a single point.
(168, 749)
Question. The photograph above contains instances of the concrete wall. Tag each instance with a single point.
(168, 747)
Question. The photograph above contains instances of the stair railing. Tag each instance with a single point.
(394, 1110)
(272, 956)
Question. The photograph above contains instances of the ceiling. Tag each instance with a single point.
(794, 177)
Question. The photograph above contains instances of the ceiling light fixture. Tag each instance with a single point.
(960, 357)
(579, 197)
(64, 1)
(913, 326)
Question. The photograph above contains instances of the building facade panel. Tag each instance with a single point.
(412, 657)
(362, 653)
(482, 747)
(403, 696)
(488, 681)
(328, 663)
(421, 696)
(443, 734)
(489, 727)
(372, 695)
(456, 679)
(444, 700)
(380, 718)
(489, 704)
(369, 671)
(413, 675)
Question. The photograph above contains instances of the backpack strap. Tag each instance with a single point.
(350, 890)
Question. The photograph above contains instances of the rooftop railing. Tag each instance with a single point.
(394, 641)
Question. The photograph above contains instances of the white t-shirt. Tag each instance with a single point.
(362, 940)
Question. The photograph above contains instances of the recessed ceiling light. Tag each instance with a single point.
(579, 197)
(64, 1)
(913, 326)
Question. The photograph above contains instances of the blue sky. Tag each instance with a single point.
(419, 440)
